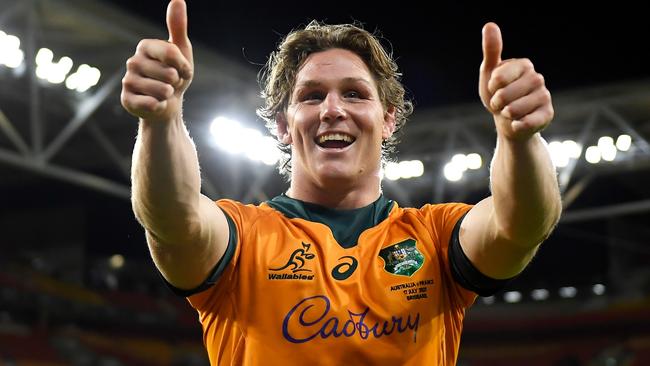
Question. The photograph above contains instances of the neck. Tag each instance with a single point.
(337, 195)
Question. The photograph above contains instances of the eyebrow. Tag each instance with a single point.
(348, 80)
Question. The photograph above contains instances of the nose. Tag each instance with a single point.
(332, 109)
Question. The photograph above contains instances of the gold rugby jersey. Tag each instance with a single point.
(301, 284)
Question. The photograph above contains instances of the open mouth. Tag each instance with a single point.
(334, 140)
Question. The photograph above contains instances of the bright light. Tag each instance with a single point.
(116, 261)
(558, 154)
(512, 297)
(231, 137)
(460, 161)
(539, 294)
(605, 141)
(623, 142)
(225, 131)
(598, 289)
(608, 152)
(10, 53)
(418, 168)
(54, 72)
(452, 172)
(392, 171)
(568, 292)
(271, 154)
(81, 80)
(592, 154)
(572, 148)
(405, 170)
(44, 57)
(84, 78)
(410, 169)
(474, 161)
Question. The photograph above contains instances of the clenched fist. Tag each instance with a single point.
(160, 71)
(512, 90)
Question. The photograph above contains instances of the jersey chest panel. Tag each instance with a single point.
(300, 284)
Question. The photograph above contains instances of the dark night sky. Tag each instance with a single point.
(439, 49)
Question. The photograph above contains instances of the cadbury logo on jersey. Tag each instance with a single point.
(311, 318)
(295, 265)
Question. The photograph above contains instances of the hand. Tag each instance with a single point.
(160, 71)
(512, 90)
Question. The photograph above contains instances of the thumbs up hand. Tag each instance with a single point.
(512, 90)
(160, 71)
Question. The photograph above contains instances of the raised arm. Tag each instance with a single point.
(501, 234)
(186, 232)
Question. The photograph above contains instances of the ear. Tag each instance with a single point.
(283, 128)
(389, 123)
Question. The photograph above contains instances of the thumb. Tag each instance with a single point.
(492, 47)
(177, 27)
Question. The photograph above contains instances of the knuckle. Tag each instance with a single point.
(497, 100)
(130, 63)
(166, 91)
(128, 82)
(142, 45)
(527, 63)
(497, 78)
(124, 99)
(538, 80)
(171, 75)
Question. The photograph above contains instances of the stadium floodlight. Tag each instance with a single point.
(403, 170)
(592, 155)
(568, 292)
(624, 142)
(512, 297)
(452, 172)
(10, 53)
(83, 79)
(230, 136)
(598, 289)
(474, 161)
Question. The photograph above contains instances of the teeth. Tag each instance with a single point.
(334, 137)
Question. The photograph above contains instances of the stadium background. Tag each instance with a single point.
(77, 286)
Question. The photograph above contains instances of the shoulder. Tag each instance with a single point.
(437, 211)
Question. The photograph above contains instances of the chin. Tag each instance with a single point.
(336, 172)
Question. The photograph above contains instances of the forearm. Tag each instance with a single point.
(525, 192)
(166, 180)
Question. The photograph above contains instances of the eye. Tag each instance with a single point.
(352, 94)
(312, 96)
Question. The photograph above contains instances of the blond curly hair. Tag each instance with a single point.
(278, 77)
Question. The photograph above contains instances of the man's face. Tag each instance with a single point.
(335, 120)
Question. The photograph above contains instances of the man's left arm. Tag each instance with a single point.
(501, 234)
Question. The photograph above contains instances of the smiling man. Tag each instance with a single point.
(333, 272)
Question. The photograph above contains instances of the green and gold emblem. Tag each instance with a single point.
(402, 258)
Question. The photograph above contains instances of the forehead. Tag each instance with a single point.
(332, 65)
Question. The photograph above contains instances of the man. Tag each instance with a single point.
(332, 272)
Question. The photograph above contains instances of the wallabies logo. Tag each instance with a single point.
(297, 260)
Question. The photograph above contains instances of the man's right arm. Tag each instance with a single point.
(187, 233)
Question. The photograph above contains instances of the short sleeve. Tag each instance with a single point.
(442, 219)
